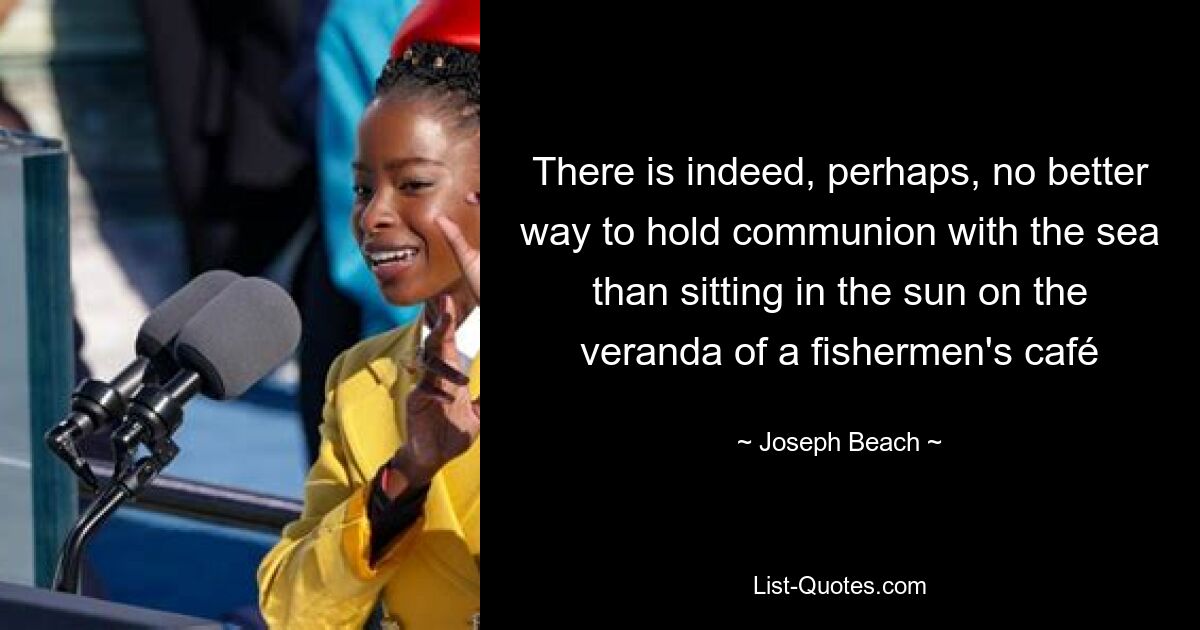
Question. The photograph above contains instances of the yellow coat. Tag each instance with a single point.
(319, 574)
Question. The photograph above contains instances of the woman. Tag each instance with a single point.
(391, 507)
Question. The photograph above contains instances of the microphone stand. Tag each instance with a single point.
(153, 416)
(130, 483)
(93, 405)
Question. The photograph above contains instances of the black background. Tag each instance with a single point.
(619, 496)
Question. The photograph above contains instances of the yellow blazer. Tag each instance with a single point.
(319, 575)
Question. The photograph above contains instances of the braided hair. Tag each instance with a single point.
(446, 75)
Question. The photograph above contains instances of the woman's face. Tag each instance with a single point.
(412, 165)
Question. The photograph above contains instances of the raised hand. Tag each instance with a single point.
(468, 256)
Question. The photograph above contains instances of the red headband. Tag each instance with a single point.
(452, 22)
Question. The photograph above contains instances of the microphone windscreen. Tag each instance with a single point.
(239, 337)
(168, 318)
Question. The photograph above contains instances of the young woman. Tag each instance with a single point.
(391, 508)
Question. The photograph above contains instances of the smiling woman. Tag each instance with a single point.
(418, 158)
(392, 504)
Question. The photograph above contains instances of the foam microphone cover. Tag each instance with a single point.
(168, 318)
(239, 337)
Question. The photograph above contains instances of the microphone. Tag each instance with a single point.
(228, 346)
(96, 405)
(230, 343)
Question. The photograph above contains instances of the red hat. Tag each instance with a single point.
(452, 22)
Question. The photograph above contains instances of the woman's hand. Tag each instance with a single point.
(468, 257)
(442, 419)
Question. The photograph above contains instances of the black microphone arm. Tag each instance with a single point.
(154, 415)
(66, 573)
(94, 404)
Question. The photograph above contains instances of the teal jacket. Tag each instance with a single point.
(352, 46)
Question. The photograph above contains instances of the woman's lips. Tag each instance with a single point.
(390, 263)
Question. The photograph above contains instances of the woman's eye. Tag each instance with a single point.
(414, 185)
(362, 193)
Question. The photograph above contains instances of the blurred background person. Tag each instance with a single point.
(240, 173)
